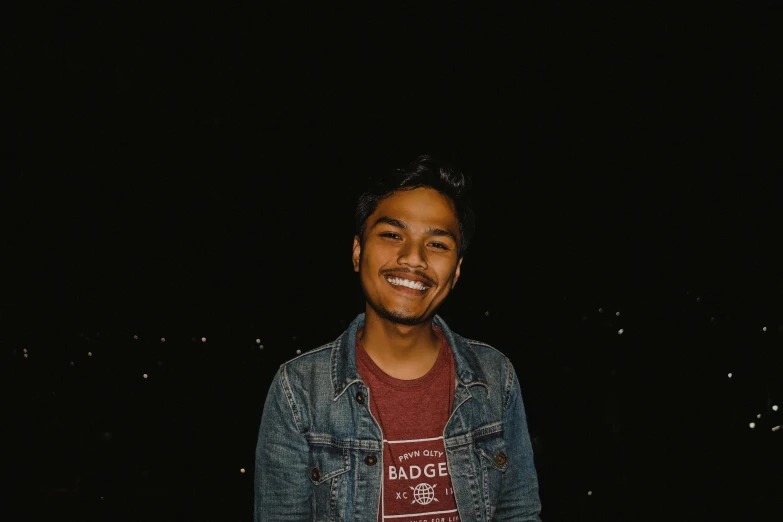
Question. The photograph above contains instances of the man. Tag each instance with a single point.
(400, 418)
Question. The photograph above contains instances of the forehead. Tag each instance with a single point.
(420, 206)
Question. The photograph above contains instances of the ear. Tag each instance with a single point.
(357, 252)
(456, 273)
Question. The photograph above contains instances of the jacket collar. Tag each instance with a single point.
(343, 358)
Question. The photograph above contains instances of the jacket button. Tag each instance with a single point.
(360, 398)
(500, 458)
(315, 475)
(370, 460)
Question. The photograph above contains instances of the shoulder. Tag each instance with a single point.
(472, 352)
(485, 351)
(486, 354)
(315, 361)
(492, 363)
(489, 367)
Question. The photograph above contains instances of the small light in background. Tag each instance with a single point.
(258, 341)
(698, 299)
(617, 314)
(600, 310)
(729, 375)
(203, 339)
(72, 365)
(135, 338)
(25, 350)
(145, 375)
(242, 470)
(163, 339)
(776, 428)
(486, 313)
(298, 352)
(89, 354)
(774, 407)
(25, 356)
(589, 493)
(763, 328)
(752, 425)
(620, 331)
(758, 416)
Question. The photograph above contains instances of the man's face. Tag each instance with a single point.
(408, 262)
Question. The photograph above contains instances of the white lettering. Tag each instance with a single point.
(413, 472)
(411, 455)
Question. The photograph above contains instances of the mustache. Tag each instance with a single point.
(422, 275)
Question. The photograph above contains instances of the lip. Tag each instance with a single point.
(409, 277)
(405, 289)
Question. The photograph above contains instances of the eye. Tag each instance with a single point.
(440, 246)
(390, 235)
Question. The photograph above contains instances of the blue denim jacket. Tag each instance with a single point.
(315, 439)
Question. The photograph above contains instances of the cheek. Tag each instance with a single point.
(380, 255)
(446, 269)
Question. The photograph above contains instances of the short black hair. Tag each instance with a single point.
(424, 171)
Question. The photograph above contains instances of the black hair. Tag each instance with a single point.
(424, 171)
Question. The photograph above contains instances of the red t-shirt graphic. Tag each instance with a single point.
(412, 415)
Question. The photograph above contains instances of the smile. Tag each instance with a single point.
(413, 285)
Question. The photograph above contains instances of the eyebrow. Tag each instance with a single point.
(433, 231)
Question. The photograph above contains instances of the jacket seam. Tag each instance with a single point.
(328, 440)
(309, 352)
(457, 441)
(481, 343)
(509, 385)
(289, 395)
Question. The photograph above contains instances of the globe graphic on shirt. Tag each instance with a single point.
(424, 494)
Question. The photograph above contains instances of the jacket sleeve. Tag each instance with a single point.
(282, 484)
(518, 499)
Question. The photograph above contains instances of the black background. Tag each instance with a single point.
(191, 171)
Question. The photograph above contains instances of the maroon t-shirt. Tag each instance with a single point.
(412, 415)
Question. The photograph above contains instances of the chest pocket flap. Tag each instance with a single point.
(492, 447)
(327, 462)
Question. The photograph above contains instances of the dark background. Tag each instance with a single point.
(191, 172)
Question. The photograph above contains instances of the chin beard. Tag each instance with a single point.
(398, 317)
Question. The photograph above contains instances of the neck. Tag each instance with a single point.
(402, 351)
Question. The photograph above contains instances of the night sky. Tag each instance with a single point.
(192, 172)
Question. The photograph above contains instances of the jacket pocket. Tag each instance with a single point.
(328, 473)
(493, 462)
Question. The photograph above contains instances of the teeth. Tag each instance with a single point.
(398, 281)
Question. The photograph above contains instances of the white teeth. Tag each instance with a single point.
(404, 282)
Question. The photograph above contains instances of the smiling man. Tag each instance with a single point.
(400, 418)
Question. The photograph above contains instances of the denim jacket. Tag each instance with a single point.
(319, 455)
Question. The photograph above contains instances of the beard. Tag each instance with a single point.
(400, 317)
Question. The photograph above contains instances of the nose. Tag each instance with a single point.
(413, 255)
